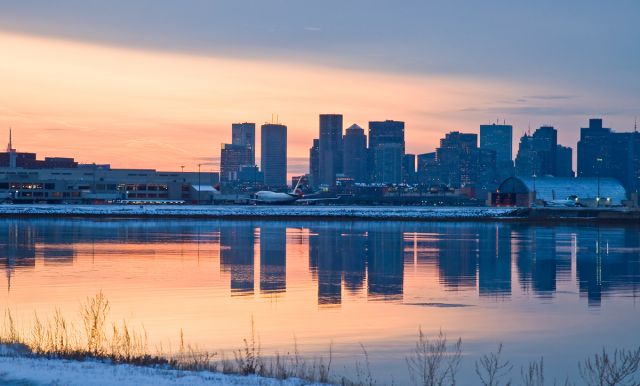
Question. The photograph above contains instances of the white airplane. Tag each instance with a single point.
(280, 198)
(560, 203)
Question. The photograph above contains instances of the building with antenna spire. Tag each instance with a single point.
(14, 159)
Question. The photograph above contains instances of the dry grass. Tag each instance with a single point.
(433, 362)
(56, 337)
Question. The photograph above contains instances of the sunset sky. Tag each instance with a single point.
(157, 84)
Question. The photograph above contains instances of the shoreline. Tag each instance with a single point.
(327, 213)
(29, 369)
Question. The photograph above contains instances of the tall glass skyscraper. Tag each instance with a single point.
(498, 138)
(274, 154)
(386, 133)
(355, 154)
(244, 134)
(330, 149)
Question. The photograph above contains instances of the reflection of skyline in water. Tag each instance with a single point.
(366, 257)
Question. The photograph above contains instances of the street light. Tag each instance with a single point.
(199, 187)
(534, 187)
(599, 163)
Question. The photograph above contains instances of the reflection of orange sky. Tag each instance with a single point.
(161, 110)
(171, 286)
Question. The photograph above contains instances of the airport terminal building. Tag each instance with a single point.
(25, 179)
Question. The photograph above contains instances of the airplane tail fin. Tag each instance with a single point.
(296, 191)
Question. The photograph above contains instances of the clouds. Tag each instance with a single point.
(119, 71)
(571, 41)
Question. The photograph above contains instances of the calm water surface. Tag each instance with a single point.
(561, 292)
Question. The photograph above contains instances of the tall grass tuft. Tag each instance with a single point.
(492, 369)
(434, 362)
(10, 333)
(94, 314)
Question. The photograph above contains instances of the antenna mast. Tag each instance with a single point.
(10, 144)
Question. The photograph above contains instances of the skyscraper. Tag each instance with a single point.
(244, 134)
(385, 132)
(605, 153)
(330, 160)
(274, 154)
(537, 153)
(355, 154)
(232, 157)
(409, 169)
(455, 161)
(564, 161)
(499, 138)
(388, 161)
(314, 164)
(427, 169)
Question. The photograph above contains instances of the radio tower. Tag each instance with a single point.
(9, 145)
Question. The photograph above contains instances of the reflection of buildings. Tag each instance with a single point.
(354, 259)
(340, 256)
(18, 248)
(385, 263)
(536, 260)
(494, 260)
(457, 257)
(237, 256)
(57, 247)
(604, 264)
(329, 268)
(273, 258)
(471, 257)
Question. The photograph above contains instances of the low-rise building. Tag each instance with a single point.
(584, 191)
(92, 184)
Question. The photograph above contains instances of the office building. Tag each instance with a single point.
(564, 162)
(409, 169)
(314, 164)
(232, 158)
(244, 134)
(273, 161)
(455, 164)
(605, 153)
(537, 153)
(385, 133)
(330, 148)
(388, 161)
(250, 174)
(427, 169)
(499, 138)
(459, 163)
(355, 154)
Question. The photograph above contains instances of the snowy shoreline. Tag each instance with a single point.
(260, 212)
(28, 370)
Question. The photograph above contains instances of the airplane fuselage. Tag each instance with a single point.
(275, 198)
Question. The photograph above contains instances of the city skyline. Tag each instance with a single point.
(160, 91)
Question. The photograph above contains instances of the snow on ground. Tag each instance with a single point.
(228, 211)
(20, 370)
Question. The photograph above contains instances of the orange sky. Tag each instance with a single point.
(136, 108)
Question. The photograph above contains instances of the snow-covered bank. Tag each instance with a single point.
(338, 212)
(21, 370)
